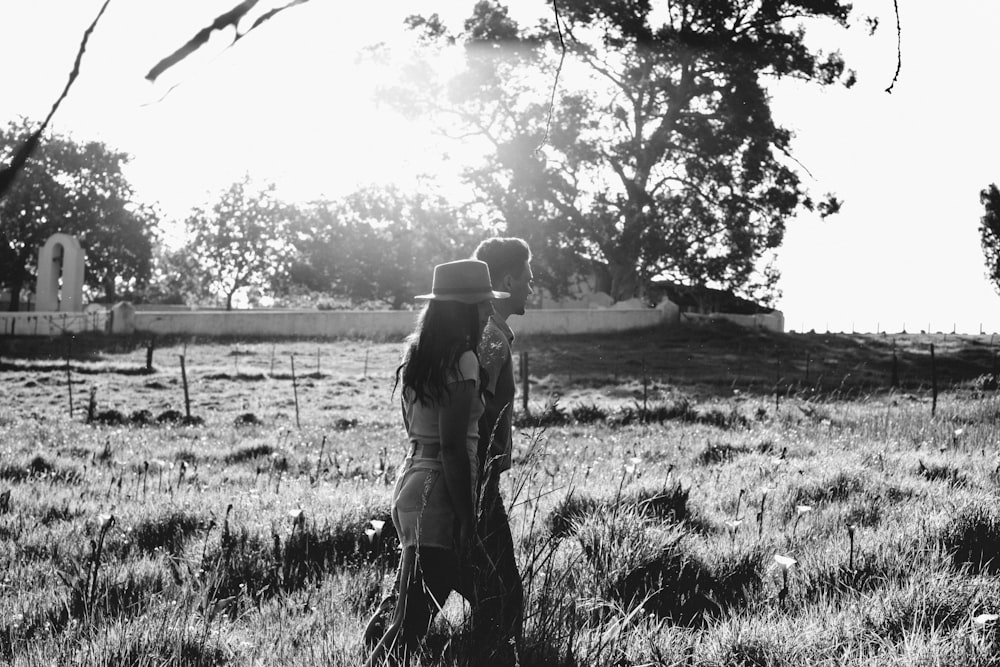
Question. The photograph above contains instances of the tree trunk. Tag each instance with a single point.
(624, 281)
(15, 298)
(229, 300)
(110, 295)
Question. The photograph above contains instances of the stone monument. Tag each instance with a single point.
(60, 275)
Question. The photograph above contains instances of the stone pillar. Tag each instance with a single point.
(122, 318)
(671, 312)
(60, 256)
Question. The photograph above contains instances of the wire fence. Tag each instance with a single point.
(54, 324)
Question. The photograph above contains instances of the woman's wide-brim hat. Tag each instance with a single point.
(466, 280)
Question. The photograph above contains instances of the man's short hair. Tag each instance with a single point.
(504, 255)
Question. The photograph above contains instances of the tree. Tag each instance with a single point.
(989, 232)
(177, 279)
(79, 189)
(243, 240)
(660, 156)
(378, 244)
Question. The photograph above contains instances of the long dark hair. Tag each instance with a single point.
(445, 329)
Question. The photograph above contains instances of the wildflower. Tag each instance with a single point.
(734, 524)
(105, 521)
(377, 525)
(803, 509)
(785, 562)
(983, 619)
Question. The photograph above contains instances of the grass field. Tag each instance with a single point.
(702, 496)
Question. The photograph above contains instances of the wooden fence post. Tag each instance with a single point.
(777, 380)
(645, 388)
(934, 387)
(69, 375)
(184, 380)
(524, 380)
(895, 367)
(149, 355)
(295, 392)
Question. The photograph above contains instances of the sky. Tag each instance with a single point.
(293, 103)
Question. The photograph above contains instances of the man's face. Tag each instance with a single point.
(520, 288)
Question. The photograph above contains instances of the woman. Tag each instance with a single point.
(433, 502)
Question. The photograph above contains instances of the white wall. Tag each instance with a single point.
(52, 323)
(300, 323)
(375, 324)
(338, 323)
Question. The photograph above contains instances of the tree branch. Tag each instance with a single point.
(555, 82)
(899, 49)
(10, 172)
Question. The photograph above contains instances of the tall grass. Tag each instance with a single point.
(643, 538)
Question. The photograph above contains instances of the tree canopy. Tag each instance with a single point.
(659, 155)
(79, 189)
(989, 232)
(378, 244)
(242, 241)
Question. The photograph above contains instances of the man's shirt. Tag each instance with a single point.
(495, 425)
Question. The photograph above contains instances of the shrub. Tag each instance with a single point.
(972, 538)
(663, 505)
(986, 382)
(170, 417)
(935, 604)
(719, 453)
(552, 414)
(141, 417)
(40, 467)
(247, 419)
(244, 454)
(250, 565)
(657, 570)
(588, 414)
(110, 418)
(169, 531)
(569, 511)
(942, 472)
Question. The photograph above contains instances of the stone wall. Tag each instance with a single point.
(125, 319)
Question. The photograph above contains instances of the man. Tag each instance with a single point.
(499, 594)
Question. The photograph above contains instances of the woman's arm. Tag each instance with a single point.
(453, 425)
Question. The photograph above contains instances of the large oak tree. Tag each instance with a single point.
(659, 155)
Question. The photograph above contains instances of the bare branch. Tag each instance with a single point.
(224, 20)
(10, 172)
(555, 82)
(899, 48)
(227, 19)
